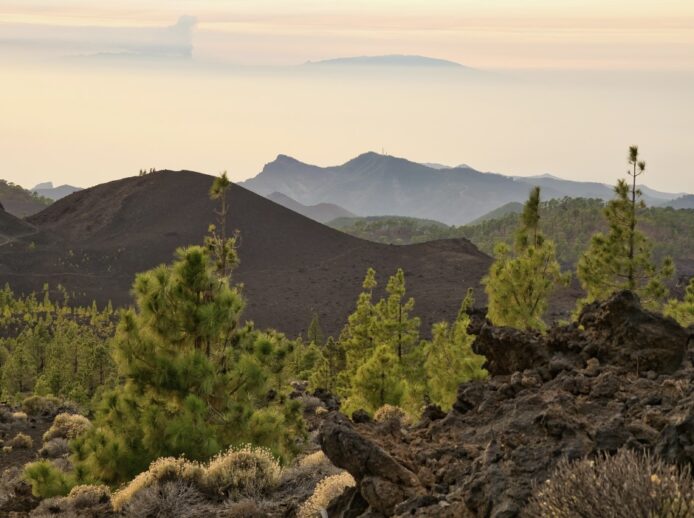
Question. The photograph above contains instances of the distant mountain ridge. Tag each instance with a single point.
(375, 185)
(390, 60)
(47, 190)
(322, 212)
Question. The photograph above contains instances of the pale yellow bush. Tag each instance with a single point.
(390, 413)
(21, 440)
(321, 410)
(89, 496)
(161, 470)
(312, 460)
(327, 489)
(67, 426)
(244, 472)
(7, 449)
(19, 416)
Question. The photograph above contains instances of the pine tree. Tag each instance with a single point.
(357, 337)
(450, 359)
(315, 333)
(223, 248)
(195, 380)
(378, 381)
(682, 310)
(330, 363)
(393, 324)
(621, 259)
(521, 279)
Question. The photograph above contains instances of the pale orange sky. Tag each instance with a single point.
(93, 91)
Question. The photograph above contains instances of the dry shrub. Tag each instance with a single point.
(321, 410)
(393, 415)
(327, 490)
(626, 484)
(7, 449)
(313, 460)
(242, 509)
(67, 426)
(166, 469)
(82, 497)
(41, 405)
(54, 448)
(172, 498)
(19, 416)
(246, 472)
(21, 440)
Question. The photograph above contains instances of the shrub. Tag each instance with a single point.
(245, 472)
(19, 416)
(54, 448)
(313, 460)
(626, 484)
(40, 405)
(89, 496)
(160, 471)
(389, 414)
(172, 498)
(21, 440)
(46, 480)
(67, 426)
(7, 449)
(327, 489)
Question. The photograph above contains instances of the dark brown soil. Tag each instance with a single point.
(95, 241)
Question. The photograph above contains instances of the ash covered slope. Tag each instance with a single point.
(96, 240)
(623, 381)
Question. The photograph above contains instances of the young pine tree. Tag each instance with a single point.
(357, 337)
(450, 359)
(314, 334)
(378, 381)
(682, 310)
(194, 380)
(329, 365)
(223, 248)
(621, 259)
(521, 279)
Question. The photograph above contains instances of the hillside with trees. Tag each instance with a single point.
(569, 222)
(20, 202)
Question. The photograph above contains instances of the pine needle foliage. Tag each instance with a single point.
(522, 278)
(622, 258)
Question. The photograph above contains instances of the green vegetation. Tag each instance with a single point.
(398, 230)
(622, 258)
(569, 223)
(682, 310)
(51, 348)
(521, 279)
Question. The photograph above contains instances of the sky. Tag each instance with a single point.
(94, 91)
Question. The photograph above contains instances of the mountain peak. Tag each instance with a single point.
(390, 60)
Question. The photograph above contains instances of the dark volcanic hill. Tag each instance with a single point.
(94, 241)
(377, 185)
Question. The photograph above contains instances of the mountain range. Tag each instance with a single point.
(373, 184)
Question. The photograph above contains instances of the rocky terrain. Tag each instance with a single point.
(619, 378)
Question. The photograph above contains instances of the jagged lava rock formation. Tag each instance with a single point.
(619, 378)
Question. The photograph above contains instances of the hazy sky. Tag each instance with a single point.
(93, 91)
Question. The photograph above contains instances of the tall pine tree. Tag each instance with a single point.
(622, 258)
